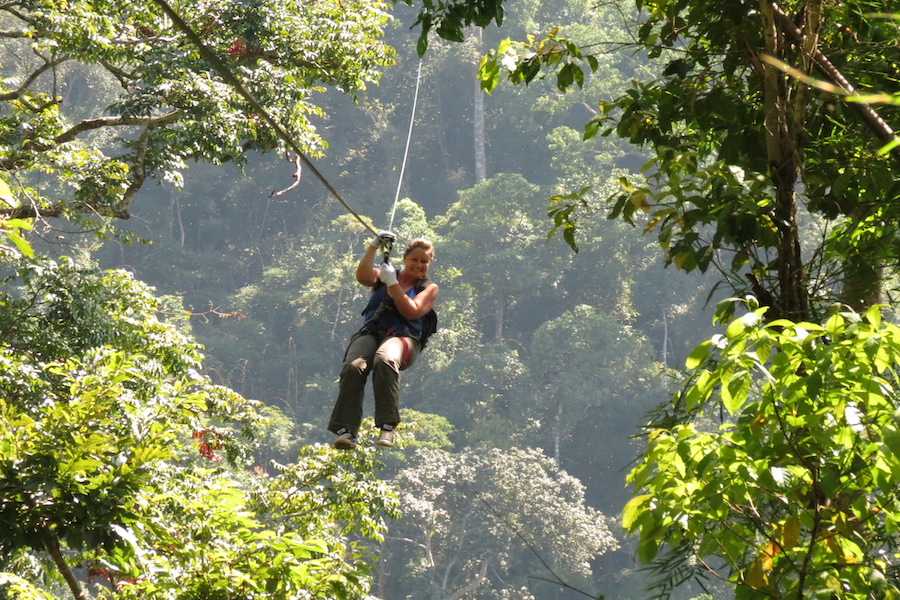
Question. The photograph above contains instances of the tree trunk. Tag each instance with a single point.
(51, 545)
(175, 208)
(862, 281)
(478, 117)
(557, 435)
(499, 305)
(783, 153)
(664, 355)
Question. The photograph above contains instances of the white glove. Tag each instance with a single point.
(388, 274)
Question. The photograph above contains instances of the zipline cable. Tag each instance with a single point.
(412, 119)
(231, 79)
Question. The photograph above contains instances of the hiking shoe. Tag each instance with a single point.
(386, 438)
(346, 440)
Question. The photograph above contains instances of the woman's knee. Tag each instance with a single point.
(384, 361)
(358, 367)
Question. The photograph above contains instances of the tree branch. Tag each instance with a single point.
(48, 64)
(555, 578)
(476, 582)
(825, 66)
(14, 34)
(30, 211)
(138, 169)
(91, 124)
(51, 544)
(121, 75)
(296, 175)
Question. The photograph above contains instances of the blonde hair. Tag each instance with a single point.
(420, 243)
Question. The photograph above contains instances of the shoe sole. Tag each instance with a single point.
(344, 445)
(384, 443)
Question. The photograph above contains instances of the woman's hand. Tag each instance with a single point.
(383, 239)
(388, 274)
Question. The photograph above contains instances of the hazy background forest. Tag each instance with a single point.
(540, 348)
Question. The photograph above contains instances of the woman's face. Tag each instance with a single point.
(417, 261)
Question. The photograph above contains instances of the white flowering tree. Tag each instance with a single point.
(490, 524)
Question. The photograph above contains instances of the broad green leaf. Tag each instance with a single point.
(20, 242)
(698, 355)
(6, 195)
(633, 509)
(790, 533)
(740, 325)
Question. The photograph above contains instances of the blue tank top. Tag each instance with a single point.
(389, 320)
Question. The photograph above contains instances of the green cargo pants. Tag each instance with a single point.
(385, 360)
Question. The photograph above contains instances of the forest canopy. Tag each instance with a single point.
(101, 96)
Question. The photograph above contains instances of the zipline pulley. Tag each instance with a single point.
(387, 244)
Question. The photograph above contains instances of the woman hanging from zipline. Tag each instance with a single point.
(389, 341)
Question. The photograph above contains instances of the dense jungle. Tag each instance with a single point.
(665, 248)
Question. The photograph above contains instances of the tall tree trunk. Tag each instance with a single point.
(557, 434)
(175, 206)
(664, 355)
(783, 152)
(862, 281)
(478, 117)
(498, 309)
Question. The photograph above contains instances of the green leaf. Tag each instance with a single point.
(591, 128)
(742, 324)
(734, 393)
(632, 510)
(489, 74)
(698, 355)
(6, 195)
(20, 242)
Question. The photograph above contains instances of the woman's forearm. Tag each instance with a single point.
(365, 272)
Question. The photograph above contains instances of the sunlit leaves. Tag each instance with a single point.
(449, 19)
(12, 229)
(562, 210)
(115, 447)
(712, 185)
(800, 481)
(523, 61)
(293, 533)
(157, 103)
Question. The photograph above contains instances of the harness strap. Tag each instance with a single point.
(405, 360)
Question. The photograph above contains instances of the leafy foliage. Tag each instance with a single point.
(112, 448)
(795, 494)
(448, 19)
(731, 134)
(161, 104)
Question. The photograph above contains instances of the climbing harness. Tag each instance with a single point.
(421, 328)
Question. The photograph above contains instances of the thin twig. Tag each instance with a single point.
(298, 163)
